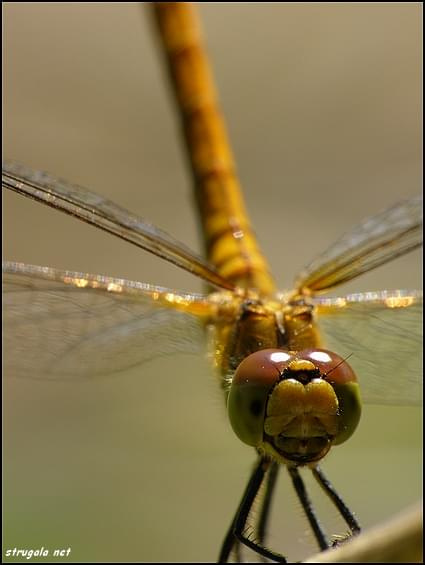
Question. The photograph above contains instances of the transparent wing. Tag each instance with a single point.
(381, 332)
(96, 210)
(60, 324)
(372, 243)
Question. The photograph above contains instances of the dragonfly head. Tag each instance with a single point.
(294, 405)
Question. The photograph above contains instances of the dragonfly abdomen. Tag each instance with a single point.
(230, 243)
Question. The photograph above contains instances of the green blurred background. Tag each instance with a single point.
(323, 105)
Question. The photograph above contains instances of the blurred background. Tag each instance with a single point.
(323, 106)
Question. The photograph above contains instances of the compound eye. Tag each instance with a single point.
(337, 372)
(333, 367)
(251, 385)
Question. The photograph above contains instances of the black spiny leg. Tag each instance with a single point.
(262, 522)
(230, 543)
(308, 508)
(337, 500)
(237, 530)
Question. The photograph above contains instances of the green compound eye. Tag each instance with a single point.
(252, 383)
(337, 372)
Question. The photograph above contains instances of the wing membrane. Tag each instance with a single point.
(372, 243)
(64, 324)
(96, 210)
(382, 334)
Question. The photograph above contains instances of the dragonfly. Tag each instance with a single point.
(16, 272)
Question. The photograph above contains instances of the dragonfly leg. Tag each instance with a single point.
(261, 526)
(308, 507)
(236, 532)
(337, 500)
(230, 544)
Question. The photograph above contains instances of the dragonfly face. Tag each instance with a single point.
(269, 220)
(294, 406)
